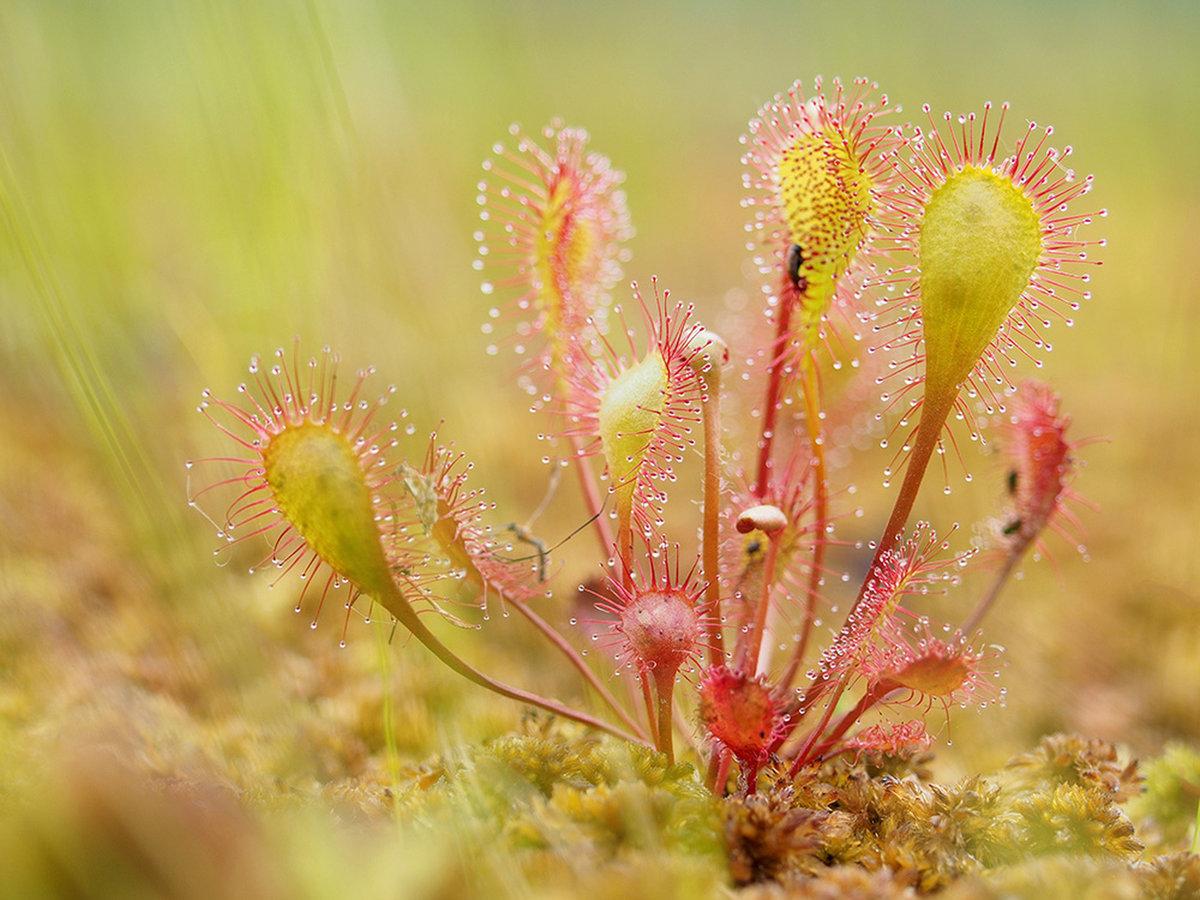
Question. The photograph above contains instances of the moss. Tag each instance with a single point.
(768, 836)
(1064, 875)
(1173, 877)
(553, 788)
(1071, 759)
(836, 883)
(1061, 798)
(1172, 795)
(1074, 818)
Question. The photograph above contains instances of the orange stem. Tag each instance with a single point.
(929, 431)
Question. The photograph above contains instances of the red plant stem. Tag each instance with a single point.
(591, 495)
(783, 327)
(798, 710)
(648, 699)
(555, 637)
(753, 643)
(664, 687)
(988, 600)
(722, 777)
(712, 522)
(812, 409)
(929, 431)
(397, 604)
(750, 770)
(803, 755)
(869, 699)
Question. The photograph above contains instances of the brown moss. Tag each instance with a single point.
(768, 835)
(1174, 877)
(1071, 759)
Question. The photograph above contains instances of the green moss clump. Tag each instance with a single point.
(556, 788)
(1169, 805)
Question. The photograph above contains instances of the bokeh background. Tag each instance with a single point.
(184, 184)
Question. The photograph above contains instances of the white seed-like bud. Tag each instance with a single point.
(766, 518)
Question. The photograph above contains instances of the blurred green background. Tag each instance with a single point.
(182, 185)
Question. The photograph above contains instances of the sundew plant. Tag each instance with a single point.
(913, 275)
